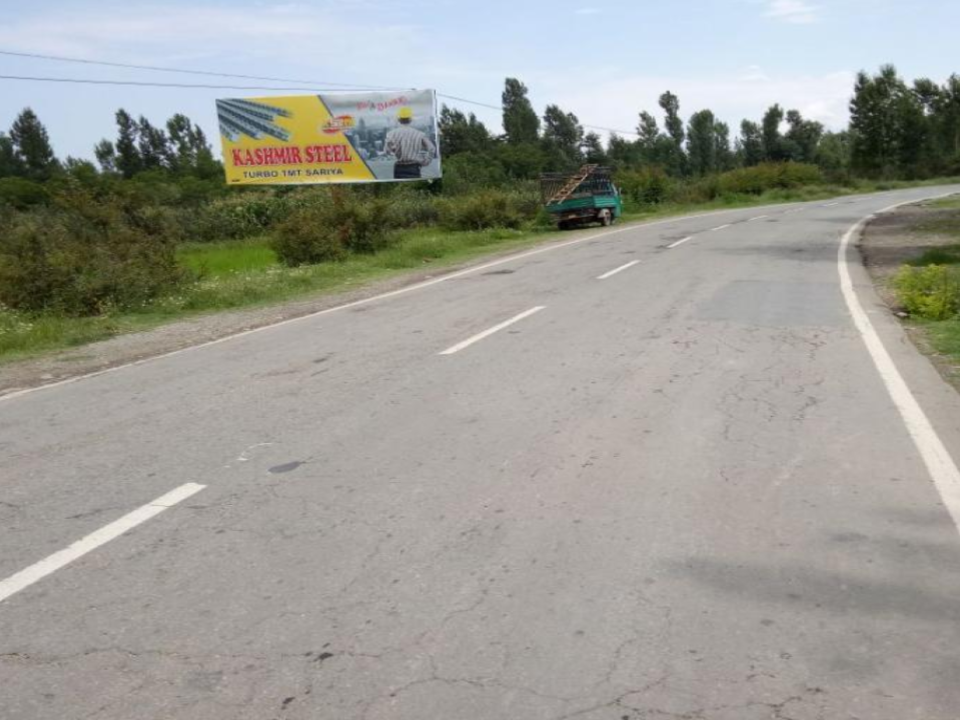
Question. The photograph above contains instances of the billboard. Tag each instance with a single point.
(330, 138)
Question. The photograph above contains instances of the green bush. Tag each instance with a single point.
(413, 209)
(327, 229)
(21, 193)
(306, 238)
(236, 217)
(469, 171)
(365, 225)
(649, 186)
(84, 259)
(486, 209)
(768, 176)
(931, 292)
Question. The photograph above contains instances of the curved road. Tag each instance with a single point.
(651, 473)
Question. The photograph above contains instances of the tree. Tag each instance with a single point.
(888, 125)
(206, 165)
(83, 170)
(562, 137)
(648, 142)
(155, 152)
(751, 143)
(183, 152)
(773, 149)
(32, 146)
(673, 158)
(702, 143)
(129, 162)
(592, 149)
(106, 155)
(949, 110)
(723, 154)
(461, 133)
(833, 153)
(10, 164)
(803, 137)
(622, 153)
(522, 161)
(520, 122)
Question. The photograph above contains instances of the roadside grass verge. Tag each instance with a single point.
(947, 203)
(940, 338)
(946, 255)
(928, 286)
(245, 273)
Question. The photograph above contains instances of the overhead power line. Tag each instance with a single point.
(145, 83)
(187, 71)
(308, 84)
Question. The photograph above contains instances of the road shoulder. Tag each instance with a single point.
(888, 242)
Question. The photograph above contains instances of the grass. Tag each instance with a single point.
(245, 273)
(945, 337)
(224, 258)
(941, 336)
(946, 255)
(947, 203)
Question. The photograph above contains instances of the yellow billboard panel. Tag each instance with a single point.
(330, 138)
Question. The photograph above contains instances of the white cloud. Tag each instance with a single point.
(792, 11)
(754, 72)
(307, 35)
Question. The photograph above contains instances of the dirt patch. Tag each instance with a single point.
(894, 239)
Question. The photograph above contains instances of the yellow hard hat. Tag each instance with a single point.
(404, 113)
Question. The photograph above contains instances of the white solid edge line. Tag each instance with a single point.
(376, 298)
(940, 465)
(490, 331)
(28, 576)
(679, 242)
(619, 269)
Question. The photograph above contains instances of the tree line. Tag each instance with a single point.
(897, 130)
(179, 148)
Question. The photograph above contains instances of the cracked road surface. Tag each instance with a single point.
(681, 491)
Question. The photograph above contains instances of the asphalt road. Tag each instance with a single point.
(680, 491)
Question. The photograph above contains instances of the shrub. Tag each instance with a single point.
(306, 238)
(769, 176)
(931, 292)
(485, 209)
(21, 193)
(649, 186)
(236, 217)
(469, 171)
(327, 229)
(82, 260)
(413, 209)
(365, 225)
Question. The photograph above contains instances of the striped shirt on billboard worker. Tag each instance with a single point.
(411, 147)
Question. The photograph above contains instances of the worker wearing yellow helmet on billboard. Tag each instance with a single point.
(411, 149)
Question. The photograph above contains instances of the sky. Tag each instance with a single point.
(603, 60)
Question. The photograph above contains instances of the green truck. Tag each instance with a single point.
(585, 196)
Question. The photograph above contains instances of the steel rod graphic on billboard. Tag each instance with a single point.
(330, 138)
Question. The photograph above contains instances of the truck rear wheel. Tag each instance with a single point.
(606, 218)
